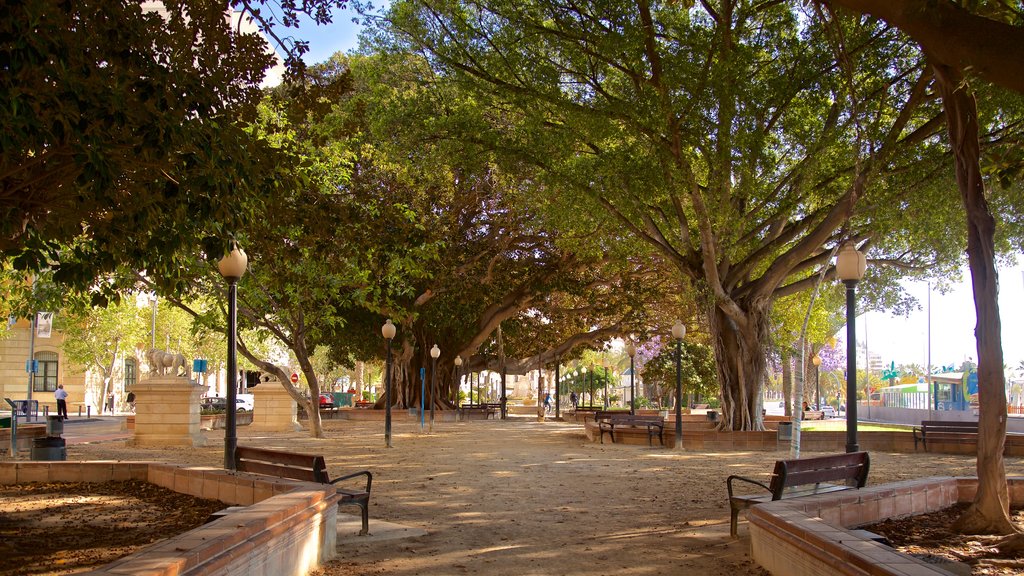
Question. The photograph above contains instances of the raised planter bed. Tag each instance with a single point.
(287, 529)
(816, 535)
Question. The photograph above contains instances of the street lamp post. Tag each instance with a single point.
(558, 389)
(606, 387)
(435, 352)
(152, 333)
(231, 267)
(458, 381)
(388, 331)
(850, 266)
(678, 332)
(817, 387)
(585, 387)
(631, 350)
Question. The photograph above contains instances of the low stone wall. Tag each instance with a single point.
(25, 434)
(813, 536)
(702, 437)
(287, 529)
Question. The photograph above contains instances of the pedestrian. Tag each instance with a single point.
(574, 400)
(547, 402)
(110, 403)
(130, 399)
(62, 401)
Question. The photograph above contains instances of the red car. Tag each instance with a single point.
(326, 401)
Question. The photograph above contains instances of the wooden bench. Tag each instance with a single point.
(488, 410)
(654, 425)
(307, 467)
(804, 477)
(813, 415)
(940, 430)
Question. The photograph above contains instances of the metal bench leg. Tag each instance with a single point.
(732, 523)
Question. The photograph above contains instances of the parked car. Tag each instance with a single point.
(326, 401)
(827, 411)
(220, 404)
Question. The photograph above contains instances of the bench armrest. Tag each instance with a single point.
(369, 478)
(728, 483)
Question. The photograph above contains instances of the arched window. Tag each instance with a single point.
(130, 371)
(46, 375)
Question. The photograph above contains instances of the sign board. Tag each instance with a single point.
(295, 378)
(199, 366)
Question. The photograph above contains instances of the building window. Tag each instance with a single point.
(129, 373)
(46, 375)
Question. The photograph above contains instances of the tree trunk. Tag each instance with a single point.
(740, 359)
(989, 513)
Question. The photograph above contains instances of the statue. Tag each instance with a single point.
(170, 363)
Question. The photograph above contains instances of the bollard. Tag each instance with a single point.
(46, 412)
(88, 411)
(79, 411)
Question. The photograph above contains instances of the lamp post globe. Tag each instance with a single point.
(850, 267)
(435, 352)
(232, 267)
(679, 332)
(388, 332)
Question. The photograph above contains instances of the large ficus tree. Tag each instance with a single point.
(123, 139)
(721, 135)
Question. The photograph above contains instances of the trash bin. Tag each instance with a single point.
(785, 432)
(54, 426)
(49, 449)
(712, 416)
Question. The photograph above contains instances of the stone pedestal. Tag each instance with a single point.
(167, 412)
(275, 410)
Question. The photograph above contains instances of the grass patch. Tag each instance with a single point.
(840, 425)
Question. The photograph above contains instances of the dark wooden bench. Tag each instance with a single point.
(600, 415)
(307, 467)
(940, 430)
(804, 477)
(655, 425)
(487, 409)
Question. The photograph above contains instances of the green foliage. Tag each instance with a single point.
(698, 370)
(123, 139)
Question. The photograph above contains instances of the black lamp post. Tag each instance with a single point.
(631, 350)
(678, 332)
(231, 267)
(458, 382)
(605, 386)
(558, 389)
(817, 387)
(850, 266)
(585, 387)
(434, 353)
(388, 331)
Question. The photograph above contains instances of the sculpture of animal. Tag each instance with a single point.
(174, 364)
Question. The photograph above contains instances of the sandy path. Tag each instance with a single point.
(519, 497)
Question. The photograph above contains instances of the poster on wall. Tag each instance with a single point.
(44, 324)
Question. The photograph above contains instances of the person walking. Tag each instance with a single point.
(62, 401)
(574, 400)
(547, 403)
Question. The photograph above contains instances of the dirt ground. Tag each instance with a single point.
(521, 497)
(931, 536)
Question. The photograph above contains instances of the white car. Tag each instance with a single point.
(244, 402)
(827, 411)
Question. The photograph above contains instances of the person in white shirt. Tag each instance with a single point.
(62, 401)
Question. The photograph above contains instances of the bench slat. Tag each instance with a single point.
(306, 467)
(803, 477)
